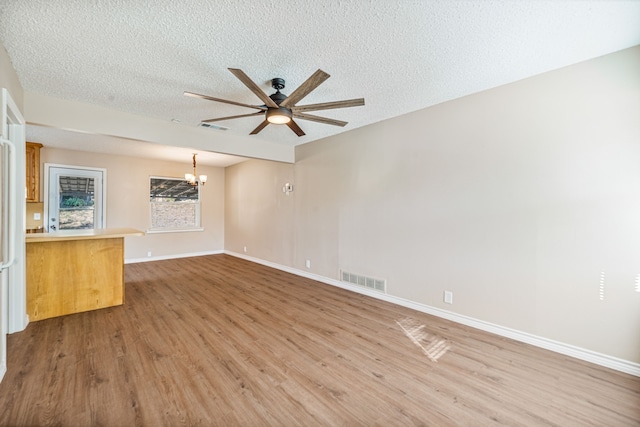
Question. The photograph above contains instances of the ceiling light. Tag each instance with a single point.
(278, 116)
(191, 177)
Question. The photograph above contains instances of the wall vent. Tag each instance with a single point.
(212, 126)
(364, 281)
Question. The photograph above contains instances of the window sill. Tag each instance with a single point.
(174, 230)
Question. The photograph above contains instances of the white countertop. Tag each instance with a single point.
(93, 233)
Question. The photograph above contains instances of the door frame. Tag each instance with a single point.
(47, 192)
(13, 310)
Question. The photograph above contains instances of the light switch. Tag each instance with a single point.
(36, 216)
(448, 297)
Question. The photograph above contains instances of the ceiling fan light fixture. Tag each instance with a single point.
(279, 108)
(278, 116)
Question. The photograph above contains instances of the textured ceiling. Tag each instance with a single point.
(401, 56)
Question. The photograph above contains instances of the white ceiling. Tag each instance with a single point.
(401, 56)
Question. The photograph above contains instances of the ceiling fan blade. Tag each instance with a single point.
(260, 127)
(294, 127)
(257, 113)
(305, 88)
(329, 105)
(253, 87)
(211, 98)
(319, 119)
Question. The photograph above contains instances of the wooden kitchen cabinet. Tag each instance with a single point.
(33, 171)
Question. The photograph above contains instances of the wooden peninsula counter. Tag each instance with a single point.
(71, 271)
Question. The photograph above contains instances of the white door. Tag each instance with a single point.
(75, 197)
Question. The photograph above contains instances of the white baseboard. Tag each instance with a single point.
(3, 370)
(548, 344)
(19, 327)
(176, 256)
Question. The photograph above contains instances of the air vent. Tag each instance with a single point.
(364, 281)
(212, 126)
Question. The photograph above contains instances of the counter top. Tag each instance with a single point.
(88, 234)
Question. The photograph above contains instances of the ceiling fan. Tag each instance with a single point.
(281, 109)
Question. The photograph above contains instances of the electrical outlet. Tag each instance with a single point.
(448, 297)
(36, 216)
(245, 249)
(149, 254)
(308, 263)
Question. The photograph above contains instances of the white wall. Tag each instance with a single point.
(128, 201)
(17, 307)
(9, 79)
(516, 199)
(254, 198)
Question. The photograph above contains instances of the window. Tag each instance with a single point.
(175, 205)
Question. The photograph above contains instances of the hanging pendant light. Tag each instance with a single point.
(193, 178)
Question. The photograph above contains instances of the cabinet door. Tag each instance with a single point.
(33, 171)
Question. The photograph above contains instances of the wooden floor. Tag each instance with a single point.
(217, 340)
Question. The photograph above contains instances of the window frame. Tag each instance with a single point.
(198, 208)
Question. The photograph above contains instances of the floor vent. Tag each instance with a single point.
(364, 281)
(212, 126)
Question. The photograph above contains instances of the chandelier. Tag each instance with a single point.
(191, 177)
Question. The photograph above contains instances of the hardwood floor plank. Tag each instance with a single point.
(217, 340)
